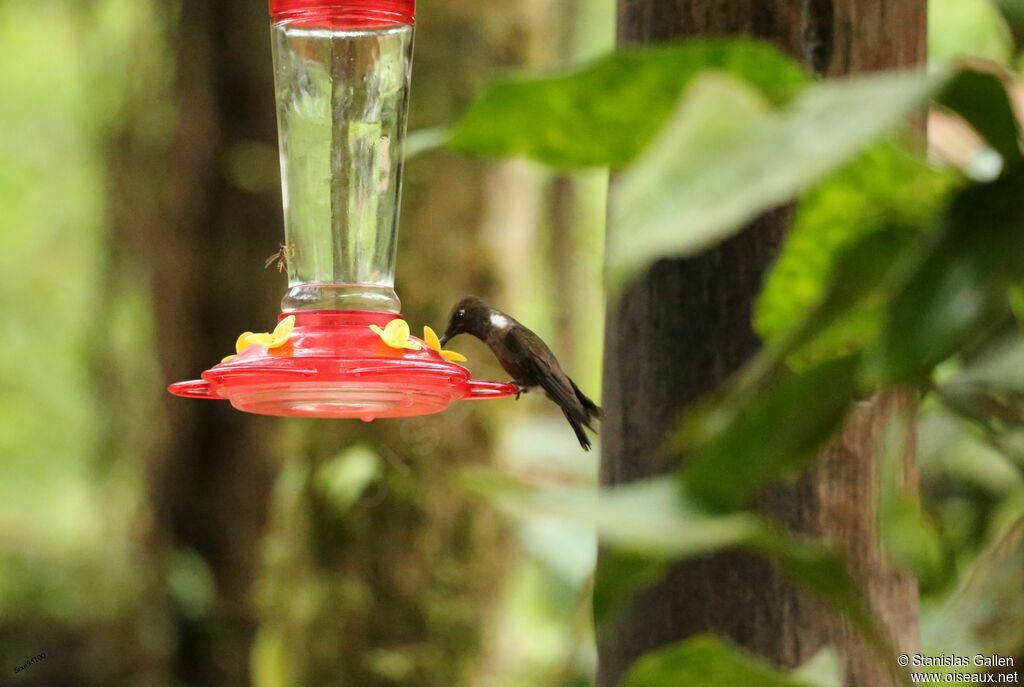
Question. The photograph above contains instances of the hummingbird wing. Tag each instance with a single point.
(528, 359)
(540, 368)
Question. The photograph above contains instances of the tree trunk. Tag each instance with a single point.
(685, 326)
(204, 229)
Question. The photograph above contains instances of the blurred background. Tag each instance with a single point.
(148, 540)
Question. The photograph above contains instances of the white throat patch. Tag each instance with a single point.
(499, 321)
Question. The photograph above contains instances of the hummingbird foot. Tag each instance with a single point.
(520, 390)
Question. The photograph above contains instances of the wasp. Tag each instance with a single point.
(281, 257)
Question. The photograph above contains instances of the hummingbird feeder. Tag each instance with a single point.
(341, 349)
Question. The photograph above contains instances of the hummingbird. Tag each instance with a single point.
(526, 357)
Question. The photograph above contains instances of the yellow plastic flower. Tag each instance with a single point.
(396, 335)
(279, 338)
(240, 345)
(431, 340)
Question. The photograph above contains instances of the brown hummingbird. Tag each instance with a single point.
(526, 357)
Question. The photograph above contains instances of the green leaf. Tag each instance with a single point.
(952, 451)
(711, 662)
(879, 201)
(843, 318)
(646, 518)
(981, 99)
(423, 141)
(911, 540)
(825, 574)
(725, 157)
(654, 520)
(1013, 10)
(956, 282)
(566, 549)
(848, 316)
(959, 28)
(739, 447)
(607, 111)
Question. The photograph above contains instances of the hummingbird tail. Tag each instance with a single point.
(577, 427)
(589, 407)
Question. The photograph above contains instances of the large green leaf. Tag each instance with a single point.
(710, 662)
(885, 187)
(607, 111)
(956, 282)
(847, 316)
(651, 522)
(981, 99)
(825, 574)
(725, 157)
(855, 289)
(739, 447)
(647, 518)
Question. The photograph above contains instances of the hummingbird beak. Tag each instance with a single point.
(445, 339)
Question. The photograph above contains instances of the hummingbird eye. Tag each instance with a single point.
(460, 314)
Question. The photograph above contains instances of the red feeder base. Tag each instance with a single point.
(335, 366)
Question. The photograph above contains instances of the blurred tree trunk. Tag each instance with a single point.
(686, 325)
(203, 227)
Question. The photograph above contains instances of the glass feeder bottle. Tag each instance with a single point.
(342, 74)
(341, 69)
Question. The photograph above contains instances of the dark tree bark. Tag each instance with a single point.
(686, 326)
(203, 232)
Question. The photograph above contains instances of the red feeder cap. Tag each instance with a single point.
(344, 14)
